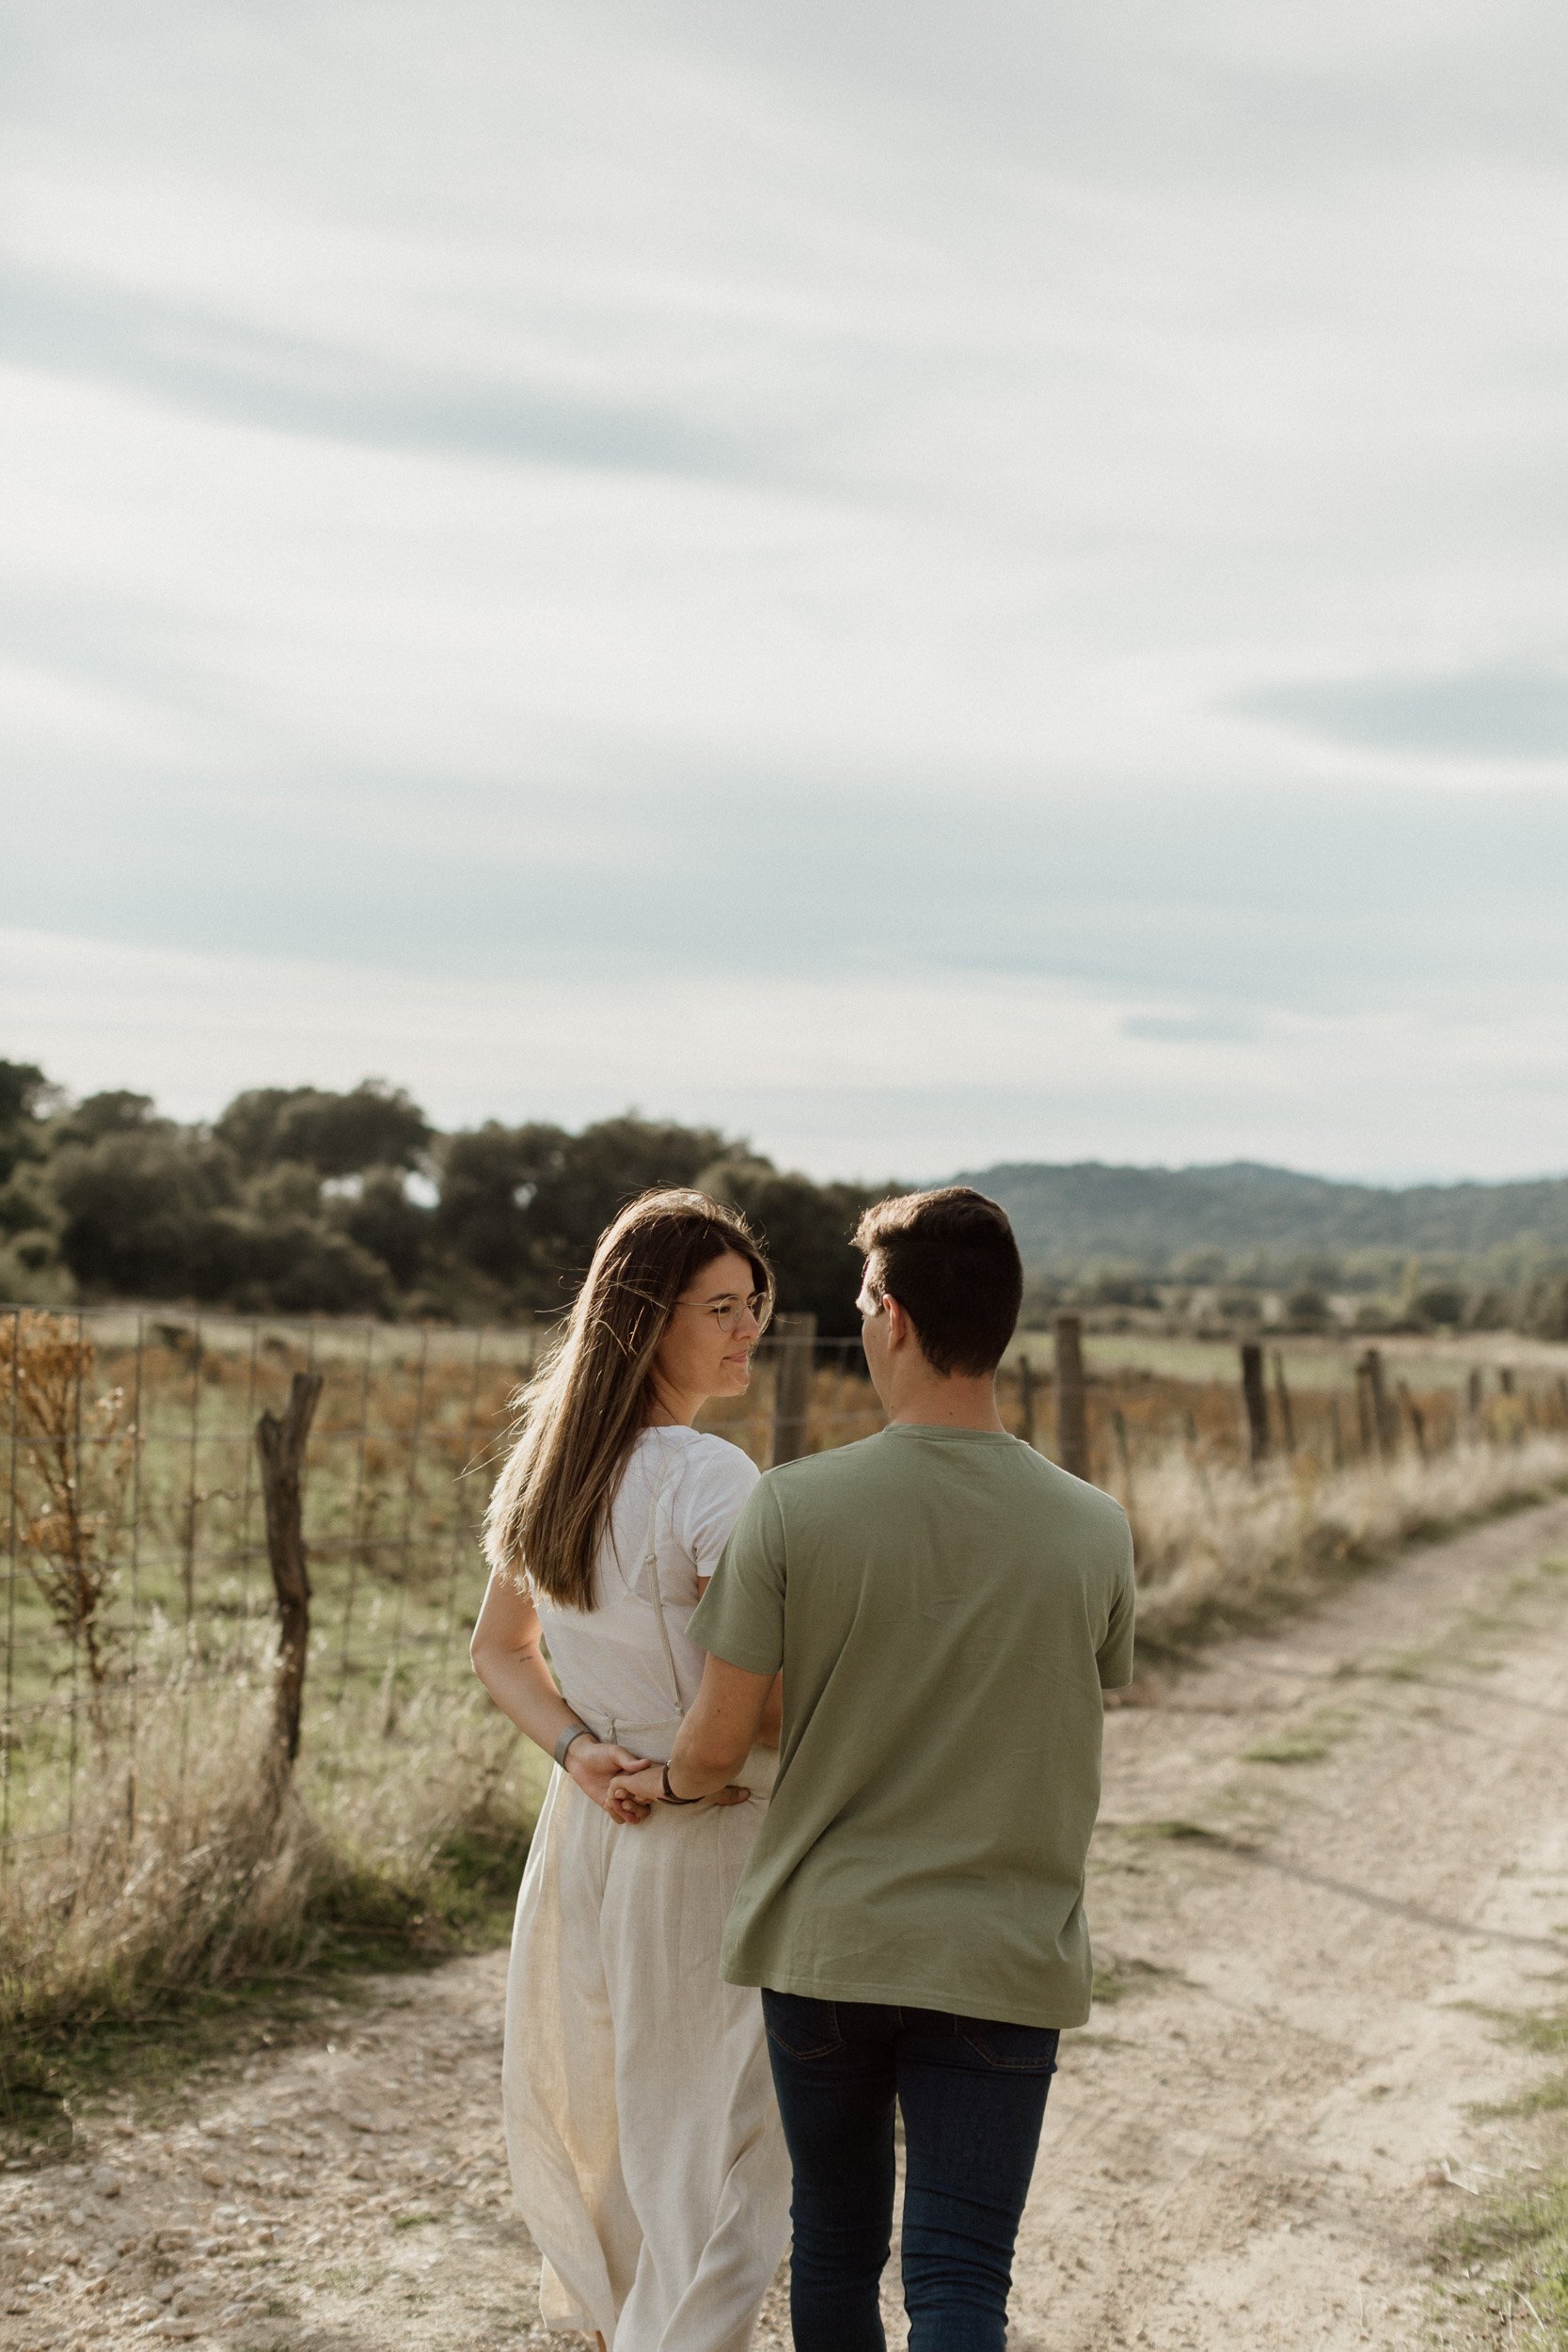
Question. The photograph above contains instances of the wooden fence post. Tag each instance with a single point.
(1416, 1418)
(1072, 1423)
(1505, 1380)
(1254, 1398)
(1282, 1397)
(1473, 1388)
(795, 1338)
(1026, 1399)
(1124, 1451)
(1336, 1436)
(282, 1446)
(1370, 1372)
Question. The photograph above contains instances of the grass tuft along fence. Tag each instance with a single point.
(240, 1563)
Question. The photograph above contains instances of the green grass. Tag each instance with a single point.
(1516, 2245)
(1177, 1831)
(1520, 2245)
(1308, 1745)
(1298, 1748)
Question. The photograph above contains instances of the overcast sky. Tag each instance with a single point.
(932, 585)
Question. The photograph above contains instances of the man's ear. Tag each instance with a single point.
(900, 1330)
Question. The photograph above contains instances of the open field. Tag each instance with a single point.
(143, 1840)
(1429, 1361)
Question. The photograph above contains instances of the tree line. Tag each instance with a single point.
(300, 1200)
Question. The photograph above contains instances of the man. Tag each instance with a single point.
(946, 1607)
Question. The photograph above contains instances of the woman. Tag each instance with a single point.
(647, 2159)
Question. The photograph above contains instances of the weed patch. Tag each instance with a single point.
(1176, 1829)
(1308, 1745)
(1517, 2243)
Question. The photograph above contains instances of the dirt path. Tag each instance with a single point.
(1253, 2143)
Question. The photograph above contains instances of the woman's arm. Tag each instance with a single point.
(509, 1661)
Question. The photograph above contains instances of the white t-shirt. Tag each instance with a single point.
(609, 1659)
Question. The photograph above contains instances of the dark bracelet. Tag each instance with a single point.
(669, 1796)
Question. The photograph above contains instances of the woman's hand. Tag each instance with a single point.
(594, 1764)
(633, 1794)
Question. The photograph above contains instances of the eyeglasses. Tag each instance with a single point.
(728, 1312)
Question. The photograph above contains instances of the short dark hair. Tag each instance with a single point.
(950, 1259)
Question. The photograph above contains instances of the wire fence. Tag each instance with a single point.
(139, 1605)
(137, 1580)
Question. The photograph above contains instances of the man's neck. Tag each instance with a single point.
(958, 1403)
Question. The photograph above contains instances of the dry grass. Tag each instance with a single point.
(1218, 1546)
(187, 1863)
(144, 1848)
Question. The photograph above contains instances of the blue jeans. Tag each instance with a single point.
(972, 2094)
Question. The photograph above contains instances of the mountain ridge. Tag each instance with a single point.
(1072, 1212)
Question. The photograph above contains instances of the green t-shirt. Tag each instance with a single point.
(946, 1606)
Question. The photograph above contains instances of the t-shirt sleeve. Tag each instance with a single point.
(1114, 1657)
(741, 1618)
(711, 1498)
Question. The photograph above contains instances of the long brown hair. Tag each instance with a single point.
(582, 1413)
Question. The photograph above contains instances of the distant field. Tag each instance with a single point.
(1425, 1362)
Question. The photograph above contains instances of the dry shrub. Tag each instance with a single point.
(190, 1861)
(1216, 1546)
(72, 1457)
(185, 1860)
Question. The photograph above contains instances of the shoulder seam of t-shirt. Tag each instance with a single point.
(686, 1487)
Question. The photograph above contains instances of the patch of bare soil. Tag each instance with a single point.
(1327, 1858)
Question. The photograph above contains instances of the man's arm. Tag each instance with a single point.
(719, 1734)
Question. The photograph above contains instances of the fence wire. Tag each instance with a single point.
(139, 1601)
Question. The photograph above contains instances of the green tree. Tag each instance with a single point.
(526, 1205)
(116, 1112)
(137, 1209)
(26, 1099)
(383, 1221)
(374, 1125)
(489, 1176)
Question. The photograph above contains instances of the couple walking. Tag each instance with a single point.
(830, 1735)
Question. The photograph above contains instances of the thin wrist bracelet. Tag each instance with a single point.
(669, 1796)
(573, 1731)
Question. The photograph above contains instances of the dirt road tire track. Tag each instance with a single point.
(1252, 2144)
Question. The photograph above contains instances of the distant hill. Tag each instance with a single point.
(1150, 1217)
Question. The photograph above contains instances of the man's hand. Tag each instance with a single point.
(633, 1794)
(594, 1764)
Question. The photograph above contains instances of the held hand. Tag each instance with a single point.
(633, 1794)
(594, 1764)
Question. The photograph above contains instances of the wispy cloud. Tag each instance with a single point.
(219, 367)
(702, 504)
(1482, 714)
